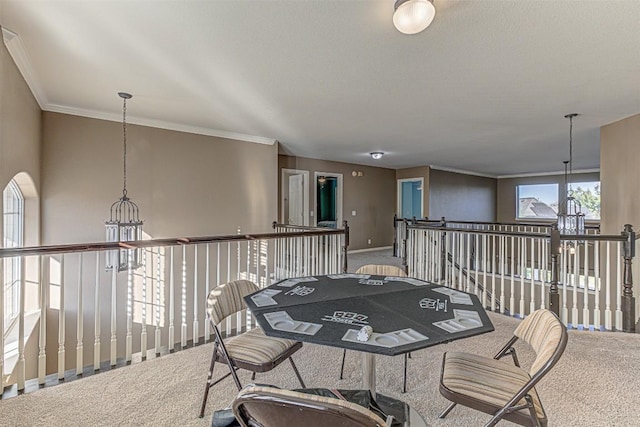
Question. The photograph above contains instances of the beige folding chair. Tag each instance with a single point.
(272, 407)
(252, 350)
(499, 388)
(381, 270)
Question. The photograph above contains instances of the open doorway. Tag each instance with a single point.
(410, 197)
(295, 197)
(328, 198)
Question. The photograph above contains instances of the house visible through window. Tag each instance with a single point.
(588, 194)
(537, 201)
(13, 237)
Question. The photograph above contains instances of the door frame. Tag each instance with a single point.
(339, 193)
(284, 183)
(399, 193)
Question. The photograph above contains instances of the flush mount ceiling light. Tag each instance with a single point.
(377, 155)
(413, 16)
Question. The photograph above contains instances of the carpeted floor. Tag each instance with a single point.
(594, 384)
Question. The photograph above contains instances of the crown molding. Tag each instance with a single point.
(464, 172)
(161, 124)
(19, 55)
(525, 175)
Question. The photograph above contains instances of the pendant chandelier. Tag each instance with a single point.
(124, 224)
(570, 215)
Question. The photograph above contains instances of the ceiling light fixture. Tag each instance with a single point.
(413, 16)
(570, 215)
(124, 223)
(377, 155)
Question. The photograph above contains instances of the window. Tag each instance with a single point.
(538, 201)
(13, 237)
(588, 194)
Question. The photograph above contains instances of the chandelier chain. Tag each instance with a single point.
(124, 139)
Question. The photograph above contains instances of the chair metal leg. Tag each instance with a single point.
(209, 376)
(446, 411)
(295, 369)
(344, 355)
(404, 377)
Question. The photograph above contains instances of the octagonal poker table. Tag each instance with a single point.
(405, 314)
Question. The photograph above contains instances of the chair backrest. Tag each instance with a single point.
(228, 298)
(382, 270)
(546, 334)
(272, 407)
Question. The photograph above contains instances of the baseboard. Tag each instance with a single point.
(381, 248)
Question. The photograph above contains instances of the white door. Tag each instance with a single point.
(296, 192)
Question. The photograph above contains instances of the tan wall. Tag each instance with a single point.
(461, 197)
(371, 195)
(20, 118)
(620, 173)
(506, 195)
(417, 172)
(184, 184)
(20, 151)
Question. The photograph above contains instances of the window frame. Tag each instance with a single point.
(542, 219)
(13, 216)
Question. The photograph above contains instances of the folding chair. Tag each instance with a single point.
(251, 350)
(272, 407)
(499, 388)
(381, 270)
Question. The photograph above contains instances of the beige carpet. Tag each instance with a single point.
(595, 384)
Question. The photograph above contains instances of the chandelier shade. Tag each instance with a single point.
(124, 224)
(413, 16)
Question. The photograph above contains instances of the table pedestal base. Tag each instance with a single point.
(369, 372)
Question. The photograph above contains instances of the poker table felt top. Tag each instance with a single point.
(405, 314)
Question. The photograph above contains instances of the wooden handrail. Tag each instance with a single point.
(176, 241)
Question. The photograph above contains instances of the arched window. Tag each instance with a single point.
(13, 223)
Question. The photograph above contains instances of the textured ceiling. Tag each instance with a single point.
(483, 89)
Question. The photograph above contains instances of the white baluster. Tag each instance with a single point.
(114, 330)
(512, 297)
(596, 272)
(159, 287)
(585, 292)
(79, 321)
(96, 315)
(575, 259)
(143, 326)
(2, 329)
(493, 272)
(61, 324)
(502, 272)
(228, 321)
(523, 258)
(607, 290)
(196, 325)
(20, 366)
(565, 282)
(42, 338)
(183, 303)
(618, 283)
(207, 284)
(532, 302)
(172, 297)
(129, 337)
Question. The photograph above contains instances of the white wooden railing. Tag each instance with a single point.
(91, 318)
(517, 271)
